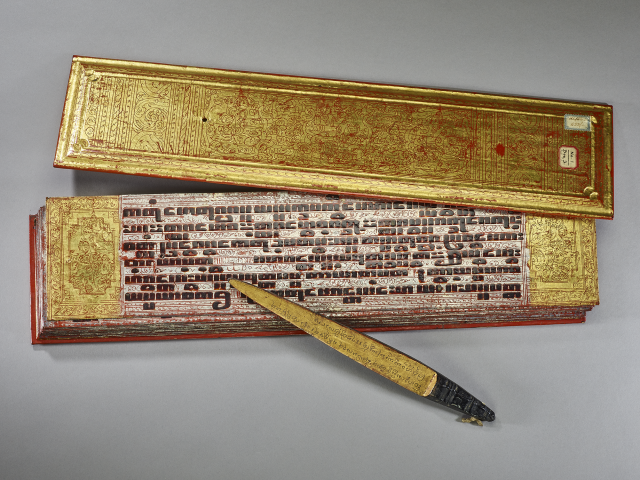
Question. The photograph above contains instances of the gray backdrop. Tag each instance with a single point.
(566, 397)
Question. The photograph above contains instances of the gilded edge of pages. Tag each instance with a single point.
(83, 264)
(533, 155)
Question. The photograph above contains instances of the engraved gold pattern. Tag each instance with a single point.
(83, 265)
(324, 135)
(563, 265)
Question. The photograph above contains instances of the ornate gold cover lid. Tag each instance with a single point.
(535, 155)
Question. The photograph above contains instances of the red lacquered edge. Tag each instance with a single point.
(298, 332)
(32, 277)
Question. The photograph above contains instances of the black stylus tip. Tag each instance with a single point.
(451, 395)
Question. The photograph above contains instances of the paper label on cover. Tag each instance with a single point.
(577, 122)
(568, 157)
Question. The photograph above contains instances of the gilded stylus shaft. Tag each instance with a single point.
(377, 356)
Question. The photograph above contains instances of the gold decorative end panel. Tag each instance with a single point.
(563, 264)
(83, 264)
(532, 155)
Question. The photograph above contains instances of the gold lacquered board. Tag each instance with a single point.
(463, 148)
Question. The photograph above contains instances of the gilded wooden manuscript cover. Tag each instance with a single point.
(544, 156)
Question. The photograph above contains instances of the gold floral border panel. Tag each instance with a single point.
(563, 264)
(83, 264)
(533, 155)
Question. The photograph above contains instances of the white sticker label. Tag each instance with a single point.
(577, 122)
(568, 157)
